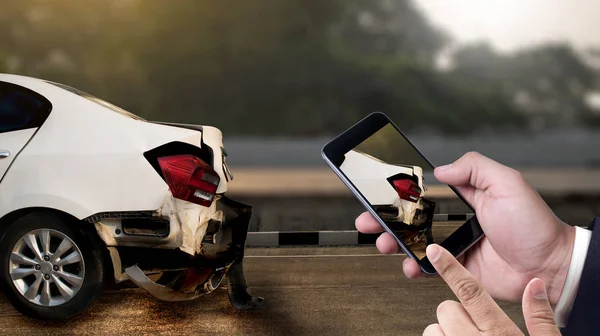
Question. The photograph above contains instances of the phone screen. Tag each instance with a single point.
(398, 182)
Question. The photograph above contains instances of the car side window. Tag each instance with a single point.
(21, 108)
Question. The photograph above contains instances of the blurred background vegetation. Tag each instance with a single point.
(297, 68)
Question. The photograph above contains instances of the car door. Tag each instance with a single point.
(22, 112)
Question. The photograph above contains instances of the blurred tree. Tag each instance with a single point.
(550, 83)
(256, 67)
(86, 44)
(3, 65)
(294, 67)
(479, 60)
(384, 28)
(547, 83)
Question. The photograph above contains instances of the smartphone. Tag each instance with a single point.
(388, 174)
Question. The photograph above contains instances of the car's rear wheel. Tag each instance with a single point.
(48, 269)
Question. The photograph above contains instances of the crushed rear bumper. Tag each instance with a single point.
(176, 224)
(184, 275)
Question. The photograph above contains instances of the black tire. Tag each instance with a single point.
(93, 277)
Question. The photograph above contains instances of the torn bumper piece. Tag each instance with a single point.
(179, 275)
(165, 293)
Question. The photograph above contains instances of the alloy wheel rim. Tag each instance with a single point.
(46, 267)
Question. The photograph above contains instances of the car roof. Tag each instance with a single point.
(21, 80)
(61, 94)
(43, 87)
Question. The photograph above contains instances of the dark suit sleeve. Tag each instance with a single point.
(585, 315)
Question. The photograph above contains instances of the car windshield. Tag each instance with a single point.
(98, 101)
(369, 156)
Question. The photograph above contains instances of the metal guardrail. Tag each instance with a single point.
(339, 237)
(558, 147)
(323, 182)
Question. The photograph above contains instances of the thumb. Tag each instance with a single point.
(538, 314)
(474, 171)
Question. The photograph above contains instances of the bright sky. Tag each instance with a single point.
(510, 24)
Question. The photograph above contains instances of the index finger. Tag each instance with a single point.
(484, 311)
(365, 223)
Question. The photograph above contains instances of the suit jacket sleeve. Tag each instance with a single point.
(585, 315)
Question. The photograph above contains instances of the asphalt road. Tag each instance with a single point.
(333, 291)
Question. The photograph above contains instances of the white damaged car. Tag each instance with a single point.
(91, 194)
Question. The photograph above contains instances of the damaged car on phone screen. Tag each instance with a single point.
(397, 193)
(91, 195)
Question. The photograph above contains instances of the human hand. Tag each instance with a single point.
(477, 313)
(523, 238)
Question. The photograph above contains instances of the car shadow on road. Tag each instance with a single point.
(132, 311)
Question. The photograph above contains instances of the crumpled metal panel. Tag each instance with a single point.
(188, 224)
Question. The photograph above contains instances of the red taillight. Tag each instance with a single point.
(189, 178)
(407, 190)
(415, 189)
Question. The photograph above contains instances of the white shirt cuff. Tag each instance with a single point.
(569, 292)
